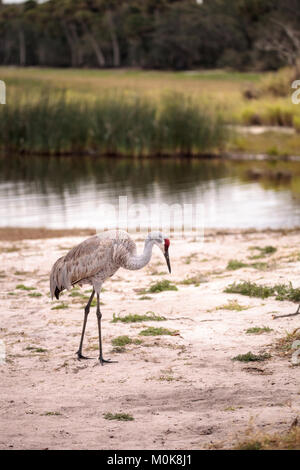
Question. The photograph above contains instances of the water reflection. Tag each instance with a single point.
(68, 192)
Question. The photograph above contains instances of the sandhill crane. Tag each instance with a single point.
(98, 258)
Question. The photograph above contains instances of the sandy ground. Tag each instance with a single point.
(184, 391)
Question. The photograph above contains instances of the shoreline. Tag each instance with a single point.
(39, 233)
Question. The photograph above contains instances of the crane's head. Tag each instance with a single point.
(163, 243)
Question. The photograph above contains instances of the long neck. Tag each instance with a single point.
(139, 261)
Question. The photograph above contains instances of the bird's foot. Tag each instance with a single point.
(106, 361)
(80, 356)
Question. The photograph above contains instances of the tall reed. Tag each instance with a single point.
(52, 123)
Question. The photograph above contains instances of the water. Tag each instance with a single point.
(70, 192)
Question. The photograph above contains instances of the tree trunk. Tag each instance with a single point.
(73, 41)
(114, 40)
(96, 48)
(22, 48)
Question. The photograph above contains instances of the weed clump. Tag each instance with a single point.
(250, 357)
(161, 286)
(118, 416)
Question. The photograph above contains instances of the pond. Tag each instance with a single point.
(69, 192)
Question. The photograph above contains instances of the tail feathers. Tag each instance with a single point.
(57, 292)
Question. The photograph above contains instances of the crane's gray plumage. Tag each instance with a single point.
(98, 258)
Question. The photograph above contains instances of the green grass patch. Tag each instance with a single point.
(250, 357)
(51, 413)
(145, 297)
(161, 286)
(136, 318)
(250, 289)
(263, 251)
(60, 307)
(235, 264)
(194, 280)
(118, 416)
(35, 294)
(152, 331)
(23, 287)
(232, 305)
(36, 350)
(121, 341)
(256, 330)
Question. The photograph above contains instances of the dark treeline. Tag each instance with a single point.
(162, 34)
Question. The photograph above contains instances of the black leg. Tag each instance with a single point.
(86, 312)
(288, 315)
(99, 316)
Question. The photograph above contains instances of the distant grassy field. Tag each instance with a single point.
(216, 92)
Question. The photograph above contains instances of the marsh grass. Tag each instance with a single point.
(50, 122)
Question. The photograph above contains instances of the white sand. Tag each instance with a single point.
(184, 391)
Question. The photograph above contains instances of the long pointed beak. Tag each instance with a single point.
(167, 260)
